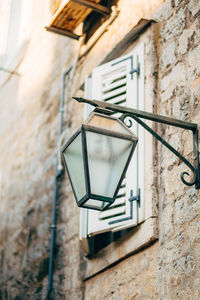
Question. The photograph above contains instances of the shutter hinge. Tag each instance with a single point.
(135, 198)
(136, 70)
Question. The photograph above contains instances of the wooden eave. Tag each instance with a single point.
(72, 13)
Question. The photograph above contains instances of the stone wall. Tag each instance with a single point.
(179, 94)
(167, 269)
(28, 133)
(133, 278)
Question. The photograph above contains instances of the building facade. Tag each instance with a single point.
(143, 54)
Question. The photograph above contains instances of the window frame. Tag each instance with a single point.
(138, 50)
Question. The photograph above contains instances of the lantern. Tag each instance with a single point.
(96, 158)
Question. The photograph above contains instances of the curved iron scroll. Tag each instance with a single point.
(158, 137)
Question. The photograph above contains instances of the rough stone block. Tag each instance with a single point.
(194, 235)
(168, 56)
(169, 158)
(172, 181)
(194, 7)
(196, 289)
(177, 2)
(187, 141)
(175, 78)
(194, 64)
(183, 41)
(174, 26)
(36, 251)
(164, 11)
(195, 39)
(187, 207)
(44, 224)
(167, 221)
(181, 102)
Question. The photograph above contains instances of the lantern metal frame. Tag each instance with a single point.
(130, 113)
(90, 128)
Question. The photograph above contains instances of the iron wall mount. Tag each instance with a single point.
(108, 108)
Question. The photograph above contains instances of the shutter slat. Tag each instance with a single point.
(115, 211)
(124, 181)
(114, 85)
(122, 191)
(113, 77)
(117, 100)
(114, 93)
(119, 202)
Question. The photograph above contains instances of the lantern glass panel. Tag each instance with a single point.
(107, 157)
(74, 160)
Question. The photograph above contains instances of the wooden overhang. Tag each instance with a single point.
(72, 13)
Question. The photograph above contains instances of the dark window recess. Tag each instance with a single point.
(94, 20)
(100, 241)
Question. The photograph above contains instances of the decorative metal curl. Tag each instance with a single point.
(165, 143)
(193, 181)
(123, 117)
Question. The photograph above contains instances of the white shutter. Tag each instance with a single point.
(115, 83)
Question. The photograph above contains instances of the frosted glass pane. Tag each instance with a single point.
(109, 124)
(74, 160)
(95, 204)
(107, 157)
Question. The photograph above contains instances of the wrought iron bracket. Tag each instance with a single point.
(135, 114)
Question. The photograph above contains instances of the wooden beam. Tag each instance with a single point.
(95, 6)
(63, 32)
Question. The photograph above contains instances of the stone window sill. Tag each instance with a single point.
(138, 238)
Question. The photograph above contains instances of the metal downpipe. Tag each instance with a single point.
(55, 193)
(58, 171)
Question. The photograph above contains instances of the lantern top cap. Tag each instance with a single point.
(109, 123)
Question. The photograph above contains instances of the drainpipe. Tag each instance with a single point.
(58, 173)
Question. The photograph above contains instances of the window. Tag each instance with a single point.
(121, 82)
(14, 29)
(94, 20)
(77, 17)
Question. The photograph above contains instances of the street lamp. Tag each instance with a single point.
(97, 155)
(96, 158)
